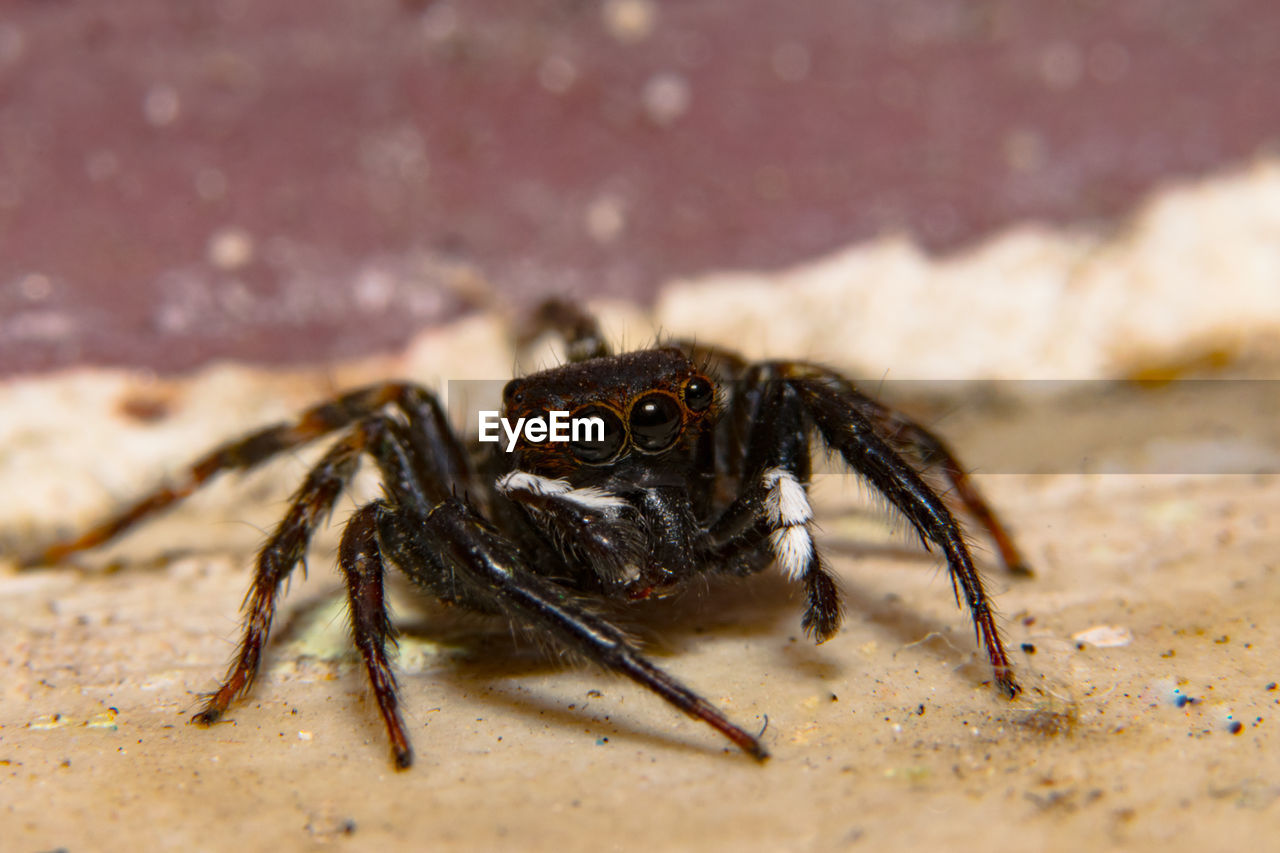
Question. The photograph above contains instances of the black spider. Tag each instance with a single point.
(702, 467)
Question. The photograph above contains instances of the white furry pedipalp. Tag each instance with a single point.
(787, 509)
(590, 497)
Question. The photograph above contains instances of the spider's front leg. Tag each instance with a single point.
(832, 404)
(798, 397)
(774, 504)
(360, 556)
(454, 553)
(907, 435)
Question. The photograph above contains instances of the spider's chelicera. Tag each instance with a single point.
(702, 466)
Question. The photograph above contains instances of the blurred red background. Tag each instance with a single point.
(309, 179)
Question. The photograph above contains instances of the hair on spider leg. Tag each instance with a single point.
(872, 504)
(702, 470)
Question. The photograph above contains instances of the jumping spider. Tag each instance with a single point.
(702, 468)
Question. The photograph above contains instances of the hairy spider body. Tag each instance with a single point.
(702, 467)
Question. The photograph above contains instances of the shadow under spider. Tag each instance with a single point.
(531, 702)
(723, 607)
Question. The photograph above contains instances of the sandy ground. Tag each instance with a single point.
(1147, 643)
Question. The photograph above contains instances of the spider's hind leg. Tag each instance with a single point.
(419, 406)
(580, 330)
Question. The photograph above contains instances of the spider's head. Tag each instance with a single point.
(637, 408)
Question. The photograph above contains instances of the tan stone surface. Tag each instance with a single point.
(1152, 620)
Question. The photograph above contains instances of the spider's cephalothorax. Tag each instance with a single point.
(618, 510)
(699, 464)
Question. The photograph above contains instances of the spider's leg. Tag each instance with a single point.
(257, 447)
(775, 503)
(580, 330)
(361, 559)
(454, 552)
(407, 476)
(310, 505)
(933, 452)
(845, 429)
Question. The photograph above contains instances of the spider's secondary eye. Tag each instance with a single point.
(600, 449)
(513, 392)
(698, 393)
(655, 422)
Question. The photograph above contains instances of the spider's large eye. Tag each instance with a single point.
(655, 422)
(586, 441)
(698, 393)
